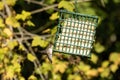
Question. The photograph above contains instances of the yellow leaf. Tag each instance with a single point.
(8, 32)
(1, 23)
(100, 69)
(115, 57)
(105, 73)
(31, 57)
(21, 78)
(12, 21)
(113, 67)
(1, 5)
(54, 16)
(23, 16)
(54, 30)
(46, 31)
(82, 66)
(32, 77)
(11, 2)
(21, 47)
(94, 58)
(67, 5)
(38, 41)
(92, 72)
(30, 23)
(105, 64)
(60, 67)
(17, 67)
(99, 48)
(10, 72)
(12, 44)
(74, 77)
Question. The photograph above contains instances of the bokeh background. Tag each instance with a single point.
(28, 26)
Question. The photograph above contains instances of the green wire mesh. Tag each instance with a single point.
(75, 33)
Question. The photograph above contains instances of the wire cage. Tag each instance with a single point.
(75, 33)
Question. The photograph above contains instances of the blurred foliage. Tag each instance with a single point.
(23, 35)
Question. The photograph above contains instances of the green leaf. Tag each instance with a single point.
(31, 57)
(99, 48)
(67, 5)
(38, 41)
(116, 1)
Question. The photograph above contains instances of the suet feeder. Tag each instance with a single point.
(75, 33)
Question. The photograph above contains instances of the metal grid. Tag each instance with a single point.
(75, 33)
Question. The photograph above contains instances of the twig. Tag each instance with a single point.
(35, 62)
(3, 15)
(52, 6)
(9, 14)
(43, 9)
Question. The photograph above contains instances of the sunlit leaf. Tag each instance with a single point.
(31, 57)
(100, 69)
(17, 67)
(1, 5)
(74, 77)
(115, 57)
(53, 31)
(60, 67)
(10, 72)
(32, 77)
(92, 72)
(11, 2)
(54, 16)
(105, 73)
(30, 23)
(94, 58)
(8, 32)
(46, 31)
(1, 23)
(99, 48)
(45, 68)
(23, 16)
(12, 44)
(12, 22)
(66, 5)
(113, 67)
(21, 78)
(21, 47)
(105, 64)
(38, 41)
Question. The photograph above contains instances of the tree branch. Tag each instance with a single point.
(49, 6)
